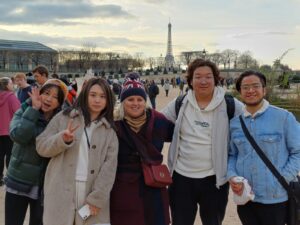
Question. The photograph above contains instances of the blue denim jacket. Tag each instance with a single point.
(277, 132)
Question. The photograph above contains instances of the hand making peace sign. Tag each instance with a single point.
(68, 134)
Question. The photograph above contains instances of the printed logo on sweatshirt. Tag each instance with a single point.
(202, 124)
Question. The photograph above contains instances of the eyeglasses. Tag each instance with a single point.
(251, 86)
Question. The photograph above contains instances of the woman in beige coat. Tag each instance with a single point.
(83, 146)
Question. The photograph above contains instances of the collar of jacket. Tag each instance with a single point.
(77, 113)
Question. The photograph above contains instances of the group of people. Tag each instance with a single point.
(92, 153)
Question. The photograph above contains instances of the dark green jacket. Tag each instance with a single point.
(25, 164)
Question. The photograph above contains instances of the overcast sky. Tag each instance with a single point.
(267, 28)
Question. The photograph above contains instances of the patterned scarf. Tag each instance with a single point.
(135, 124)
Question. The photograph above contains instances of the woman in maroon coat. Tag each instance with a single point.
(141, 133)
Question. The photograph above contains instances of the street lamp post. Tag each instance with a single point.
(204, 53)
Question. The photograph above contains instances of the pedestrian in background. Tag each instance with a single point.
(153, 92)
(167, 87)
(9, 104)
(40, 74)
(23, 87)
(162, 82)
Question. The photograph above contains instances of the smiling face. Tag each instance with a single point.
(49, 99)
(203, 81)
(96, 100)
(134, 106)
(252, 91)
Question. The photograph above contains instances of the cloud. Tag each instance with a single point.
(58, 12)
(213, 44)
(155, 1)
(145, 1)
(254, 34)
(59, 42)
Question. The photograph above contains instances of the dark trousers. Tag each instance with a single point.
(187, 193)
(6, 145)
(16, 207)
(153, 103)
(167, 92)
(254, 213)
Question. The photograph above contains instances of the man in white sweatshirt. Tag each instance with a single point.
(198, 153)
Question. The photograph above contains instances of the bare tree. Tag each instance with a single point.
(151, 62)
(85, 55)
(228, 56)
(37, 57)
(21, 58)
(138, 61)
(186, 57)
(53, 61)
(246, 61)
(215, 57)
(4, 56)
(67, 59)
(125, 60)
(111, 61)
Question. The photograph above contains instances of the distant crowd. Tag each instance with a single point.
(76, 157)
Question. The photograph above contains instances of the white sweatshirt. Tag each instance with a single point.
(195, 150)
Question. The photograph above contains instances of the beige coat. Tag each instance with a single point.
(59, 188)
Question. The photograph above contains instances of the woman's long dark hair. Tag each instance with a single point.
(81, 102)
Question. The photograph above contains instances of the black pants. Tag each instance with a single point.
(6, 145)
(153, 102)
(187, 193)
(167, 92)
(263, 214)
(16, 207)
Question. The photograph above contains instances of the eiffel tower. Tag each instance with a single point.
(169, 59)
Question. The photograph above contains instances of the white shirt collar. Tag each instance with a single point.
(263, 108)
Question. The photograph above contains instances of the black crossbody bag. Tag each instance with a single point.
(293, 188)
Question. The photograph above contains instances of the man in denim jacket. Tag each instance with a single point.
(276, 131)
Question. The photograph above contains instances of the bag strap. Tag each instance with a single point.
(264, 158)
(178, 103)
(87, 138)
(146, 150)
(230, 106)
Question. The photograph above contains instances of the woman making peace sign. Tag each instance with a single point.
(84, 147)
